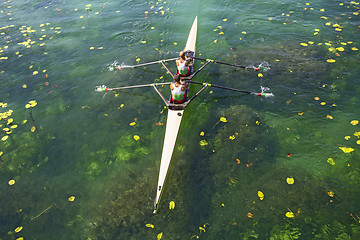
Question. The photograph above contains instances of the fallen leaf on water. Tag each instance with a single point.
(317, 98)
(33, 128)
(329, 117)
(203, 143)
(132, 123)
(18, 229)
(289, 154)
(138, 59)
(159, 236)
(71, 199)
(260, 75)
(290, 181)
(300, 113)
(354, 122)
(303, 44)
(238, 161)
(357, 142)
(201, 229)
(331, 194)
(11, 182)
(249, 215)
(261, 195)
(202, 134)
(225, 19)
(4, 138)
(290, 214)
(331, 60)
(222, 119)
(331, 161)
(149, 225)
(346, 149)
(136, 137)
(347, 137)
(171, 205)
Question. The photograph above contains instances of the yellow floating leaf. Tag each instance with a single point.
(331, 193)
(202, 134)
(171, 205)
(346, 149)
(1, 153)
(329, 117)
(354, 48)
(132, 123)
(249, 215)
(11, 182)
(311, 42)
(24, 121)
(71, 199)
(143, 42)
(4, 138)
(323, 103)
(24, 86)
(304, 44)
(317, 98)
(225, 19)
(222, 119)
(331, 60)
(243, 32)
(338, 29)
(260, 75)
(331, 161)
(260, 195)
(290, 214)
(354, 122)
(35, 72)
(33, 128)
(175, 43)
(232, 137)
(340, 49)
(201, 229)
(203, 143)
(159, 236)
(138, 59)
(322, 10)
(347, 137)
(18, 229)
(290, 181)
(149, 225)
(357, 134)
(92, 48)
(357, 142)
(136, 137)
(300, 113)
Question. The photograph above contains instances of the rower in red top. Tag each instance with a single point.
(178, 90)
(183, 65)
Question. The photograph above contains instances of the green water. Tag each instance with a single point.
(79, 143)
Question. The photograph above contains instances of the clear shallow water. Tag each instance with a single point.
(83, 144)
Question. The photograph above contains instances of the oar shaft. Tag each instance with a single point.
(149, 63)
(224, 63)
(106, 89)
(226, 88)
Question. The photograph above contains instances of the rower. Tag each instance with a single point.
(183, 65)
(178, 87)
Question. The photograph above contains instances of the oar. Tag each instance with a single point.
(260, 68)
(235, 90)
(115, 66)
(103, 88)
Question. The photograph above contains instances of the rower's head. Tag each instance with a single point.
(177, 78)
(182, 54)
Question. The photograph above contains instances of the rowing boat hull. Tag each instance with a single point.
(172, 126)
